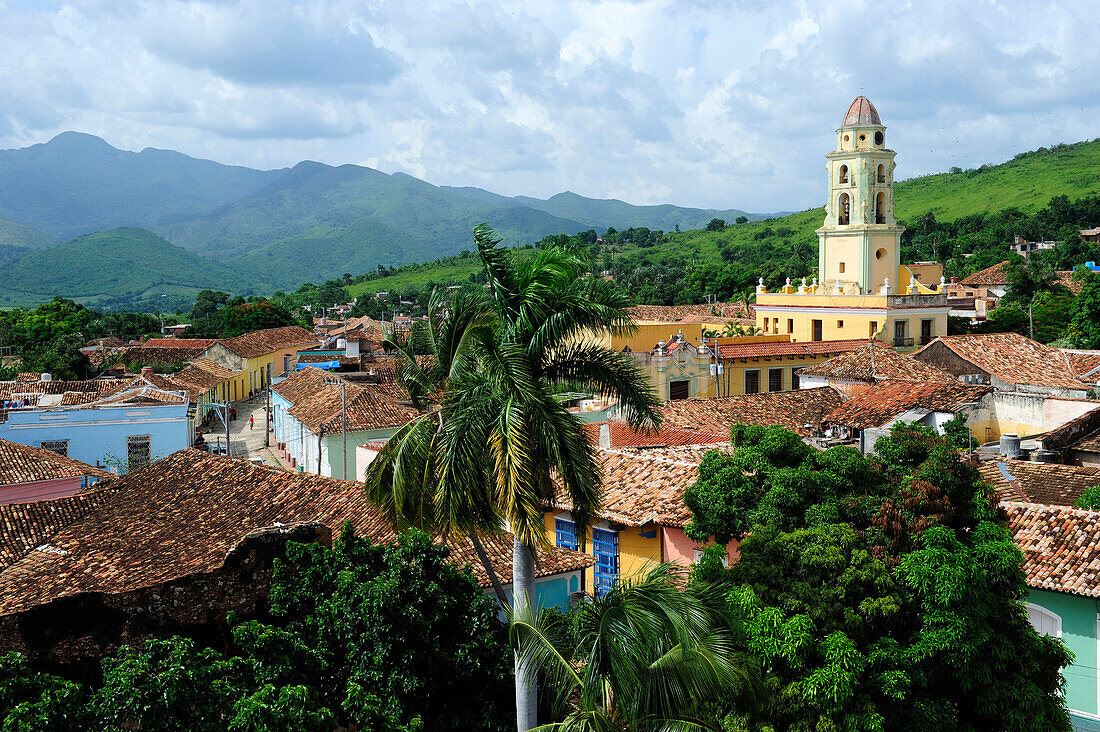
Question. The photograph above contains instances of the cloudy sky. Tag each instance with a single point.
(718, 103)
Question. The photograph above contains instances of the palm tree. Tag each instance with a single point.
(648, 654)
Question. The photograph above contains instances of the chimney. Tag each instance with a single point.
(146, 370)
(605, 436)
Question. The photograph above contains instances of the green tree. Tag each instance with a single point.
(878, 593)
(1089, 499)
(31, 700)
(1084, 324)
(741, 220)
(716, 225)
(648, 655)
(246, 317)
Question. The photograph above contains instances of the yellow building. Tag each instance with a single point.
(864, 290)
(252, 354)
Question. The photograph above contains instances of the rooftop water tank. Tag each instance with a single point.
(1010, 446)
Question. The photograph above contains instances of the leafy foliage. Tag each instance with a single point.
(878, 593)
(1089, 499)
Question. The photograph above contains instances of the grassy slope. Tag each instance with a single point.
(1028, 183)
(119, 262)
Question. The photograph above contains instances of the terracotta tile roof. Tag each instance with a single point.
(200, 376)
(987, 277)
(369, 407)
(25, 464)
(189, 343)
(262, 342)
(787, 348)
(1012, 358)
(790, 409)
(622, 435)
(1090, 443)
(1047, 483)
(1073, 432)
(1061, 546)
(182, 515)
(1085, 363)
(646, 485)
(1067, 280)
(24, 526)
(130, 355)
(876, 361)
(145, 389)
(26, 376)
(300, 384)
(719, 312)
(878, 404)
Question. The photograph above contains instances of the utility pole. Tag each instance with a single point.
(1030, 321)
(267, 409)
(227, 453)
(320, 436)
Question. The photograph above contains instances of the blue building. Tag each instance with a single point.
(110, 424)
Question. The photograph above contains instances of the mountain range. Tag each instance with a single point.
(83, 219)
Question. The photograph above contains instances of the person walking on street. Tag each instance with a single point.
(251, 421)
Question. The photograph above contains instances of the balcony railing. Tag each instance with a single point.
(902, 342)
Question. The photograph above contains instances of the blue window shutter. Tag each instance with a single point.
(565, 534)
(605, 545)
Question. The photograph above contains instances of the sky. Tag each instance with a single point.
(708, 103)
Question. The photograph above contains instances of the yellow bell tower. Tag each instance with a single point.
(859, 244)
(862, 290)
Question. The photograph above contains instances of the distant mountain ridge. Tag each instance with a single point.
(277, 228)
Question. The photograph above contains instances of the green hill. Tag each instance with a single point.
(1027, 182)
(131, 266)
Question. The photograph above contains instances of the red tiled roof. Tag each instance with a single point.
(790, 409)
(719, 312)
(369, 406)
(25, 464)
(878, 404)
(1073, 432)
(23, 526)
(182, 515)
(622, 435)
(876, 361)
(145, 354)
(1012, 358)
(994, 275)
(1085, 363)
(189, 343)
(1066, 279)
(787, 348)
(1061, 546)
(262, 342)
(1047, 483)
(861, 113)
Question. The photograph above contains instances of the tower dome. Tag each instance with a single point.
(861, 113)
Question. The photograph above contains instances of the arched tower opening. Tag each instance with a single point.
(843, 209)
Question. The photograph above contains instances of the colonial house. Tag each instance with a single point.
(117, 424)
(769, 363)
(173, 548)
(255, 355)
(309, 409)
(801, 411)
(1077, 441)
(34, 474)
(871, 413)
(643, 515)
(871, 363)
(1062, 564)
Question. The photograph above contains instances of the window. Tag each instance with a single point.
(880, 208)
(880, 253)
(565, 534)
(137, 451)
(881, 168)
(775, 379)
(790, 325)
(926, 331)
(872, 329)
(901, 328)
(678, 390)
(775, 325)
(795, 382)
(842, 267)
(817, 330)
(843, 209)
(879, 139)
(605, 546)
(840, 324)
(1044, 621)
(61, 447)
(843, 174)
(752, 382)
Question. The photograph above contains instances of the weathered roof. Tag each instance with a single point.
(878, 404)
(24, 526)
(262, 342)
(718, 312)
(25, 464)
(1085, 363)
(1072, 433)
(1061, 546)
(146, 354)
(182, 515)
(92, 388)
(788, 348)
(646, 485)
(188, 343)
(861, 113)
(1047, 483)
(790, 409)
(876, 361)
(623, 435)
(200, 376)
(989, 276)
(1012, 358)
(1066, 279)
(369, 407)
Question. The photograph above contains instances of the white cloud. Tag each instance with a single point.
(723, 104)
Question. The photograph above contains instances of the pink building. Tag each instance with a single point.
(34, 474)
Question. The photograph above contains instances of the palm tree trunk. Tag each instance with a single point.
(523, 593)
(489, 570)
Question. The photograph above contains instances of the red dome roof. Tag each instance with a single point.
(861, 113)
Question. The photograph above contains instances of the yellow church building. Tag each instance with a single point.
(864, 291)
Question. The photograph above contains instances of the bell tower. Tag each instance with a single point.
(859, 243)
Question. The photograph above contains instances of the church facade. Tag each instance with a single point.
(862, 290)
